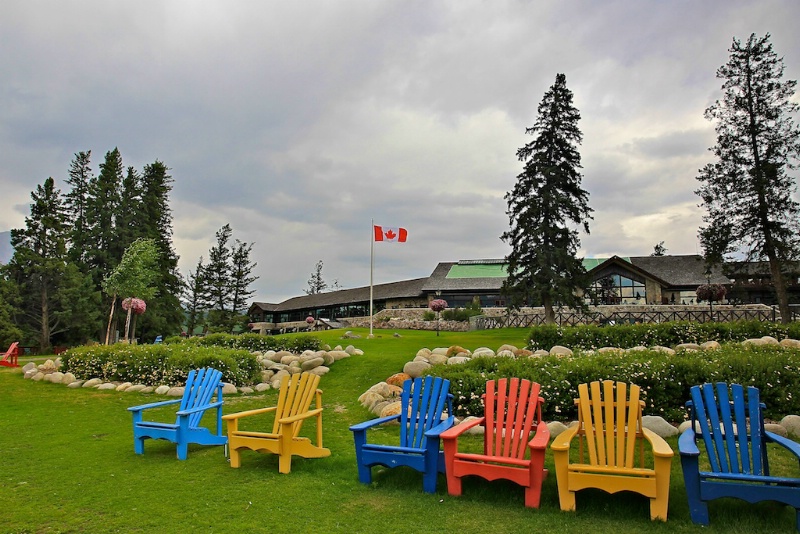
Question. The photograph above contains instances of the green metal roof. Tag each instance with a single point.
(494, 269)
(478, 270)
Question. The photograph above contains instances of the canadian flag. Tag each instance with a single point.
(391, 235)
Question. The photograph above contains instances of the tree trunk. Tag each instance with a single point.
(128, 325)
(44, 342)
(549, 313)
(780, 289)
(133, 330)
(111, 317)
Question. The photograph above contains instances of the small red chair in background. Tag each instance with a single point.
(11, 355)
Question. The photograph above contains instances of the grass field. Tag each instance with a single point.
(67, 465)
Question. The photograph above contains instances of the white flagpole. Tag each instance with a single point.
(371, 264)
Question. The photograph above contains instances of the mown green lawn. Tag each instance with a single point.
(67, 465)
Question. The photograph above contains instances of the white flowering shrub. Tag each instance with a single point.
(665, 379)
(158, 364)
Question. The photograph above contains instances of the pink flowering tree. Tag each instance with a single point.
(135, 275)
(134, 306)
(711, 292)
(437, 305)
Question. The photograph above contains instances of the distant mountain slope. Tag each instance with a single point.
(5, 247)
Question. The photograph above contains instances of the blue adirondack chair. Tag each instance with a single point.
(200, 388)
(423, 401)
(738, 459)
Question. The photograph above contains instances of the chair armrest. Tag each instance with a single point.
(792, 446)
(562, 441)
(687, 444)
(460, 428)
(199, 408)
(299, 417)
(441, 427)
(541, 438)
(153, 405)
(360, 427)
(660, 447)
(248, 413)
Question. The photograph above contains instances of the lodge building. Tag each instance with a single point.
(635, 280)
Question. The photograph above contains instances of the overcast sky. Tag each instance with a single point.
(300, 122)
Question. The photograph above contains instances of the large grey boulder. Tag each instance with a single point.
(415, 369)
(556, 428)
(559, 350)
(659, 425)
(792, 425)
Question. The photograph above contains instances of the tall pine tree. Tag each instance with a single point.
(543, 208)
(104, 250)
(241, 280)
(76, 207)
(53, 294)
(155, 222)
(196, 298)
(747, 192)
(218, 279)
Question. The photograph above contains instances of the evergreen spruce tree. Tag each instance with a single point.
(104, 251)
(76, 206)
(747, 191)
(196, 298)
(154, 221)
(241, 280)
(128, 221)
(316, 284)
(218, 280)
(49, 303)
(544, 206)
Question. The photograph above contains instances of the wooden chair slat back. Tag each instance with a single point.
(423, 400)
(512, 407)
(610, 417)
(201, 384)
(720, 414)
(295, 397)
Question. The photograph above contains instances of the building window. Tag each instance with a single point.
(616, 289)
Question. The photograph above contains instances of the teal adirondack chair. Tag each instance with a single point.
(201, 385)
(423, 401)
(738, 460)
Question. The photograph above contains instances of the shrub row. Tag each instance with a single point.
(665, 379)
(650, 334)
(153, 365)
(252, 342)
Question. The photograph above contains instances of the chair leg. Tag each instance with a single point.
(660, 505)
(429, 480)
(658, 508)
(285, 463)
(236, 459)
(533, 496)
(566, 498)
(138, 445)
(364, 474)
(453, 484)
(183, 450)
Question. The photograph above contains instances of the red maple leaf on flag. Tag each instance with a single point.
(390, 235)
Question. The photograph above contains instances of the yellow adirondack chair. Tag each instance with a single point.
(294, 401)
(610, 429)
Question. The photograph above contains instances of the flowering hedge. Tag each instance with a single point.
(666, 334)
(252, 342)
(155, 365)
(665, 379)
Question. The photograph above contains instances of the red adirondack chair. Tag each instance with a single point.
(10, 356)
(512, 410)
